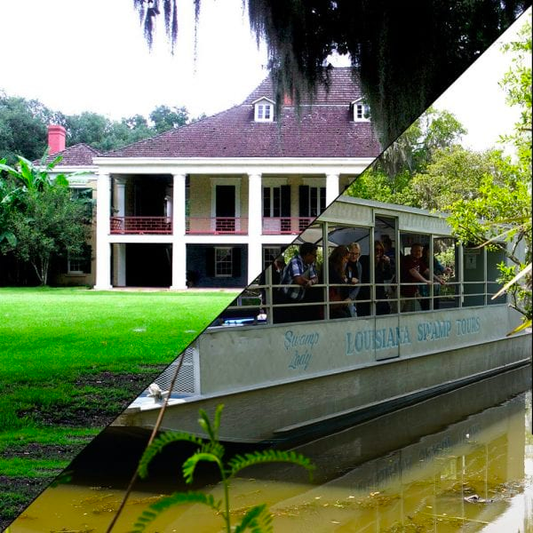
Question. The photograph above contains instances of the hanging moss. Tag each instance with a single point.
(405, 53)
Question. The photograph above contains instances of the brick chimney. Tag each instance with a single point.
(56, 139)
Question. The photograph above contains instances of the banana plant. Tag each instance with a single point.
(257, 519)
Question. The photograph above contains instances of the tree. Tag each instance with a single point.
(165, 118)
(45, 220)
(517, 84)
(390, 177)
(501, 214)
(405, 53)
(104, 134)
(23, 127)
(87, 127)
(24, 123)
(455, 173)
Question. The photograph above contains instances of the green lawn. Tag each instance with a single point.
(73, 358)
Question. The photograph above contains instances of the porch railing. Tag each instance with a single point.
(285, 225)
(141, 225)
(216, 226)
(133, 225)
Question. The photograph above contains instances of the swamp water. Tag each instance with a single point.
(459, 462)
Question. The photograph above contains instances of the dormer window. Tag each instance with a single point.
(264, 110)
(361, 111)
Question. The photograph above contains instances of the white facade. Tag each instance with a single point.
(183, 210)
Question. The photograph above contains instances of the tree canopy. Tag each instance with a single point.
(406, 172)
(405, 53)
(500, 214)
(39, 218)
(488, 194)
(23, 127)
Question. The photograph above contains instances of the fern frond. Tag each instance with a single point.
(213, 447)
(205, 423)
(159, 443)
(239, 462)
(190, 464)
(178, 498)
(257, 519)
(218, 415)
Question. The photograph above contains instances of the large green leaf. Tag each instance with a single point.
(159, 443)
(190, 464)
(239, 462)
(257, 519)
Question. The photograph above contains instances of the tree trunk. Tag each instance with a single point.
(40, 265)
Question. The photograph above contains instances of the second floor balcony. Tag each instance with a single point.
(216, 226)
(142, 225)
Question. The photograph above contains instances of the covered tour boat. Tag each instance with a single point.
(312, 371)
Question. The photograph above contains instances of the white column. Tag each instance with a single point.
(103, 247)
(120, 263)
(168, 202)
(120, 201)
(332, 187)
(179, 249)
(255, 226)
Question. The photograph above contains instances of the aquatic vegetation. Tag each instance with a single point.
(257, 518)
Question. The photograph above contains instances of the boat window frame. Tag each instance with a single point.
(321, 230)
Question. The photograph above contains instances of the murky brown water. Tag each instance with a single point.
(416, 470)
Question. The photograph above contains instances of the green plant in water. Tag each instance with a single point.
(257, 519)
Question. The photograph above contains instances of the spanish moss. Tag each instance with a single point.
(405, 53)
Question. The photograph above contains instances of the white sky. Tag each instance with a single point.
(90, 55)
(476, 98)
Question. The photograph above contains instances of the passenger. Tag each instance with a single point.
(277, 270)
(338, 290)
(354, 274)
(438, 271)
(413, 270)
(363, 296)
(390, 252)
(383, 274)
(298, 276)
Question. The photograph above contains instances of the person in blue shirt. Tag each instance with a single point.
(298, 277)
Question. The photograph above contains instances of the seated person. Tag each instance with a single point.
(383, 273)
(338, 291)
(298, 276)
(354, 274)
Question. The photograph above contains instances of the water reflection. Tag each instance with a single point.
(460, 462)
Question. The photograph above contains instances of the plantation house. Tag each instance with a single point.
(211, 203)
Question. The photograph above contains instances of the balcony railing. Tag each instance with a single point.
(141, 225)
(285, 225)
(216, 226)
(207, 225)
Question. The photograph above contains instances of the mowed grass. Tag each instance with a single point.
(57, 333)
(71, 359)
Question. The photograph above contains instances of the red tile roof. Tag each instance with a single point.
(323, 128)
(78, 155)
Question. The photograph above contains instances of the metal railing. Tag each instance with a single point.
(267, 304)
(285, 225)
(216, 225)
(141, 225)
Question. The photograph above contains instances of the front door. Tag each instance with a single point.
(225, 208)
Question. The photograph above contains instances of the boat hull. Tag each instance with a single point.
(310, 407)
